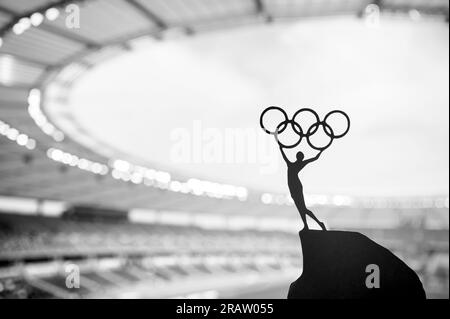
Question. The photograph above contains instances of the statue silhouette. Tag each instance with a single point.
(296, 187)
(335, 263)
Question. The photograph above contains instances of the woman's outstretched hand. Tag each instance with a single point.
(284, 155)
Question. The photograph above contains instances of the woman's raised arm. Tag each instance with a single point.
(315, 158)
(284, 155)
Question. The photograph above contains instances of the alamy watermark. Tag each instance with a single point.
(208, 145)
(373, 279)
(73, 279)
(73, 19)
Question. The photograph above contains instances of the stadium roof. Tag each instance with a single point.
(38, 161)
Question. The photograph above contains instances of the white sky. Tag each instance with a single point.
(392, 81)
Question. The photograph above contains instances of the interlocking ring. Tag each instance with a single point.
(315, 127)
(309, 132)
(316, 116)
(346, 117)
(294, 127)
(277, 131)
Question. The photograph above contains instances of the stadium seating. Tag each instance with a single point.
(113, 255)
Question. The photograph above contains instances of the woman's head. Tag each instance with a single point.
(300, 156)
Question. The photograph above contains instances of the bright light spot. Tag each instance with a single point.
(175, 186)
(163, 177)
(48, 128)
(314, 200)
(22, 140)
(137, 178)
(34, 109)
(36, 19)
(266, 198)
(97, 168)
(126, 177)
(52, 14)
(25, 23)
(342, 200)
(57, 155)
(74, 161)
(83, 164)
(196, 186)
(18, 29)
(229, 190)
(34, 98)
(3, 128)
(67, 158)
(12, 134)
(58, 136)
(150, 174)
(31, 144)
(104, 170)
(6, 69)
(242, 193)
(121, 165)
(116, 174)
(50, 153)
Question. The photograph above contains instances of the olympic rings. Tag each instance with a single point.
(293, 124)
(326, 127)
(310, 111)
(308, 133)
(276, 130)
(346, 117)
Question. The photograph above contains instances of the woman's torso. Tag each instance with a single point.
(293, 179)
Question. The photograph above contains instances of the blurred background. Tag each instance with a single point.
(131, 155)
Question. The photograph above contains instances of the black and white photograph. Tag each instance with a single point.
(252, 151)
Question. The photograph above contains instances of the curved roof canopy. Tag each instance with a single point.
(37, 49)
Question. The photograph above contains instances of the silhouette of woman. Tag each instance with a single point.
(296, 187)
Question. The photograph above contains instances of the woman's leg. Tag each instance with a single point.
(305, 222)
(302, 211)
(311, 214)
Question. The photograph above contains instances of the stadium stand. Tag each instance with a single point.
(116, 255)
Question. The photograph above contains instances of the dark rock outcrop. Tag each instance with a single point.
(335, 267)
